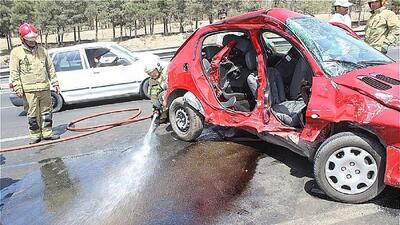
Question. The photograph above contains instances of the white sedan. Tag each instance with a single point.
(97, 71)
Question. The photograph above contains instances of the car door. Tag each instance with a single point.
(72, 75)
(112, 75)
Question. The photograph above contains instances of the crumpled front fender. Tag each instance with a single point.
(392, 173)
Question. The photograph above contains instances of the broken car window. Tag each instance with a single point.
(335, 51)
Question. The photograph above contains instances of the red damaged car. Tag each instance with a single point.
(296, 82)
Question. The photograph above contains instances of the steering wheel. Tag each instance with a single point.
(233, 71)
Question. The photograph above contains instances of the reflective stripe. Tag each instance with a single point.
(46, 132)
(155, 90)
(36, 87)
(47, 120)
(47, 123)
(35, 134)
(16, 85)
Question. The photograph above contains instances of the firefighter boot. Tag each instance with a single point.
(52, 137)
(34, 141)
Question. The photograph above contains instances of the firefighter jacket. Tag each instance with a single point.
(31, 69)
(382, 29)
(157, 88)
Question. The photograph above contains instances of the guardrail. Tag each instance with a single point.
(165, 53)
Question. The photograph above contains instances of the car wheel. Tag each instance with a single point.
(186, 122)
(56, 101)
(350, 167)
(144, 93)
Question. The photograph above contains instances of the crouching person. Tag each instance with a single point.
(157, 87)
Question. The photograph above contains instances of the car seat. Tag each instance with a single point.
(251, 63)
(236, 69)
(286, 65)
(243, 45)
(250, 84)
(290, 110)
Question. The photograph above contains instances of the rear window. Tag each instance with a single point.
(67, 61)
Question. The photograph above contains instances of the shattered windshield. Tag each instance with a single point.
(335, 51)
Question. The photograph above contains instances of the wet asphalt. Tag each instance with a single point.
(158, 179)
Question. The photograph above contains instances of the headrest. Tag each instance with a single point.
(251, 60)
(210, 51)
(242, 43)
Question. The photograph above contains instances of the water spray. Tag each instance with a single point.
(128, 180)
(153, 124)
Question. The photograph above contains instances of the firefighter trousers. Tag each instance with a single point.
(38, 107)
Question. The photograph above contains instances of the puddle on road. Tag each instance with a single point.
(193, 187)
(59, 189)
(188, 186)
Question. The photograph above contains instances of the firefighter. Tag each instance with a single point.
(383, 26)
(157, 87)
(32, 72)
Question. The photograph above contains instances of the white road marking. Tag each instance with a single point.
(7, 107)
(13, 138)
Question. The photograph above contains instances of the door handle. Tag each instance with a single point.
(96, 72)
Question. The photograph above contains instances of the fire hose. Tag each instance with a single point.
(88, 130)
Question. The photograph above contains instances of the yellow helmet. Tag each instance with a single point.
(381, 1)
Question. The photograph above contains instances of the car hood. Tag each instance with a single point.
(381, 83)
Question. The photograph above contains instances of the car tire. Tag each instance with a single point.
(56, 101)
(349, 167)
(186, 122)
(144, 87)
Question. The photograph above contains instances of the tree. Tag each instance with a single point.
(151, 14)
(47, 15)
(5, 21)
(75, 14)
(92, 12)
(21, 11)
(195, 9)
(60, 21)
(250, 5)
(115, 14)
(208, 6)
(165, 9)
(131, 13)
(181, 14)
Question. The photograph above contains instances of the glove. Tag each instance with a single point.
(156, 113)
(384, 49)
(19, 93)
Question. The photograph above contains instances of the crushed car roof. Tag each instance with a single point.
(258, 16)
